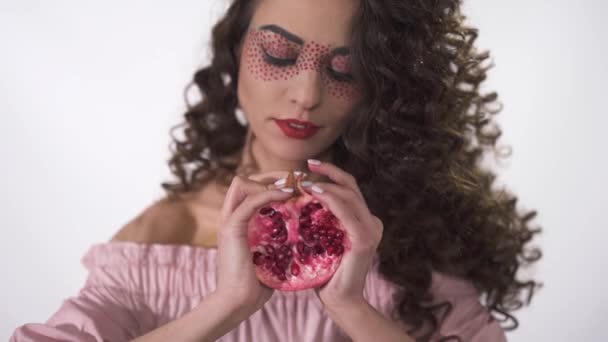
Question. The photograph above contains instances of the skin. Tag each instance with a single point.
(304, 90)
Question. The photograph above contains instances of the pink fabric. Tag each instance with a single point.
(134, 288)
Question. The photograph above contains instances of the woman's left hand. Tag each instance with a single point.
(364, 230)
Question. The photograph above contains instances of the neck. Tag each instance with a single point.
(253, 158)
(256, 159)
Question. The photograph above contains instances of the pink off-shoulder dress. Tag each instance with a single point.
(134, 288)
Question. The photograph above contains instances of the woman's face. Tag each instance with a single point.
(295, 65)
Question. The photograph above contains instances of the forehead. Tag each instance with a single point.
(326, 22)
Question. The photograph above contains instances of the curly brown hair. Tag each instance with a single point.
(415, 145)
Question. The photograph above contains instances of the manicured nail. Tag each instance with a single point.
(287, 190)
(317, 189)
(314, 162)
(306, 184)
(280, 182)
(299, 173)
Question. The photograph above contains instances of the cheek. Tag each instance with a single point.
(312, 58)
(345, 91)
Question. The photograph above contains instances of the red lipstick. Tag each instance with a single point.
(297, 129)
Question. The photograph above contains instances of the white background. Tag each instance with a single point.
(89, 90)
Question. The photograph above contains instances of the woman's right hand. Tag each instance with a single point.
(236, 279)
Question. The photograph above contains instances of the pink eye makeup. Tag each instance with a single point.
(272, 54)
(278, 47)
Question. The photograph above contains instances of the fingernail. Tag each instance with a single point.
(299, 173)
(317, 189)
(280, 182)
(314, 162)
(287, 190)
(306, 184)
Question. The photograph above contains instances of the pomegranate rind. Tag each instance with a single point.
(259, 235)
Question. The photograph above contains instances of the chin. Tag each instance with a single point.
(286, 148)
(289, 152)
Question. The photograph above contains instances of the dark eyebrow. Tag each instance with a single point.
(342, 50)
(283, 32)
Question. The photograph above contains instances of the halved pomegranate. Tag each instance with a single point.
(297, 243)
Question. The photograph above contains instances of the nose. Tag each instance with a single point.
(306, 90)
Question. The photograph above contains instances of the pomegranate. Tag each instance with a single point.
(297, 243)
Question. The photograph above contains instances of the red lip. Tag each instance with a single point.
(306, 132)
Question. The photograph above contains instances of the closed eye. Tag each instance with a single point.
(278, 61)
(284, 62)
(339, 76)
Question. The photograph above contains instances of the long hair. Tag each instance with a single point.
(415, 145)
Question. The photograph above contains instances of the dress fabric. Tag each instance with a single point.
(134, 288)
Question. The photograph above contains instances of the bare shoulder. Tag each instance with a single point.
(164, 221)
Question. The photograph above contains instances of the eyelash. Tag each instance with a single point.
(281, 62)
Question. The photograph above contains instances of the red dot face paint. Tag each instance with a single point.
(271, 57)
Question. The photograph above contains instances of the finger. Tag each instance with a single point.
(239, 189)
(337, 175)
(348, 196)
(252, 203)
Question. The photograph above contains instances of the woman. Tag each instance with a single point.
(378, 102)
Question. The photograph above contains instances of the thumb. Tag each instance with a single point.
(240, 217)
(239, 189)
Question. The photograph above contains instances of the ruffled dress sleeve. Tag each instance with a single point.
(468, 319)
(99, 312)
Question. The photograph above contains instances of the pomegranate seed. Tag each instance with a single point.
(287, 251)
(283, 237)
(257, 258)
(318, 249)
(307, 250)
(331, 250)
(314, 206)
(276, 269)
(278, 223)
(308, 238)
(339, 250)
(295, 269)
(339, 234)
(269, 249)
(267, 211)
(276, 232)
(304, 230)
(300, 247)
(282, 276)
